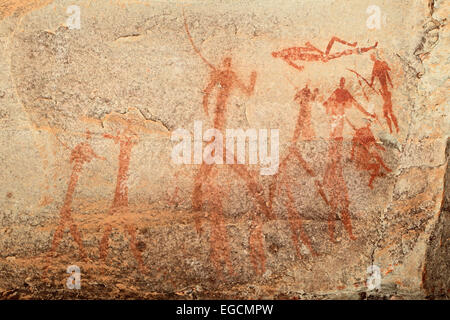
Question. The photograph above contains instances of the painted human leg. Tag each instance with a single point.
(256, 245)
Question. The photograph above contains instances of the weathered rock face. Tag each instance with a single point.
(89, 114)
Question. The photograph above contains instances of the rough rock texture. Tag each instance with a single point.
(435, 276)
(87, 115)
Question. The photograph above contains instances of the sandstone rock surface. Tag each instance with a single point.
(358, 91)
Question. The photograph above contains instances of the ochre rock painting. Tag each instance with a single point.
(80, 155)
(339, 189)
(311, 53)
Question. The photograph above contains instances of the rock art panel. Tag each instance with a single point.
(224, 150)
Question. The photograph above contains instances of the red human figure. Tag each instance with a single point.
(337, 192)
(126, 140)
(80, 155)
(281, 182)
(364, 153)
(311, 53)
(296, 224)
(224, 80)
(333, 179)
(304, 127)
(380, 71)
(220, 248)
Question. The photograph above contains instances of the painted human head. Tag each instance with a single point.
(227, 62)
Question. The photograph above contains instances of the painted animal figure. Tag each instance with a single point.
(365, 155)
(310, 53)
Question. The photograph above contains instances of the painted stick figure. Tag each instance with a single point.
(364, 152)
(224, 79)
(380, 71)
(311, 53)
(126, 139)
(80, 155)
(333, 179)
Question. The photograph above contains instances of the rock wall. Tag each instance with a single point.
(95, 94)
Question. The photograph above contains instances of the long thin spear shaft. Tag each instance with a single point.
(194, 46)
(364, 79)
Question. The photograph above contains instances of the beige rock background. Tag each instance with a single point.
(131, 65)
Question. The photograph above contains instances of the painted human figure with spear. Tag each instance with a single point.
(224, 80)
(380, 71)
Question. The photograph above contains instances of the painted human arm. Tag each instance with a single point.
(372, 78)
(388, 76)
(207, 92)
(379, 147)
(97, 156)
(360, 108)
(352, 154)
(315, 94)
(377, 157)
(247, 90)
(110, 136)
(327, 104)
(293, 64)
